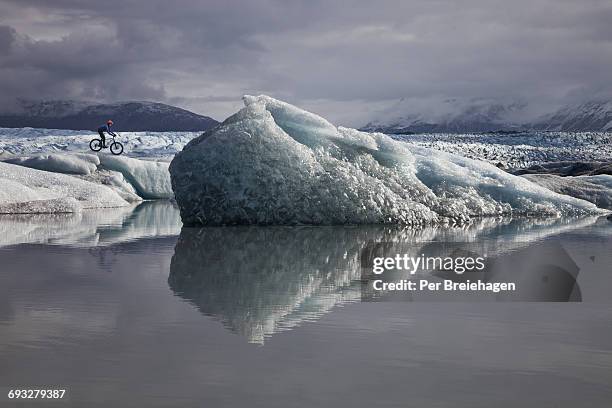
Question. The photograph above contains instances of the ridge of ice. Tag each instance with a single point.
(273, 163)
(151, 179)
(60, 163)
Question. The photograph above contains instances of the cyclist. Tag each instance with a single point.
(106, 128)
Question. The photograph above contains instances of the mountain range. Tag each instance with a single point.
(593, 115)
(128, 116)
(450, 116)
(487, 116)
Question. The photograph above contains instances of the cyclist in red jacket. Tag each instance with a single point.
(106, 128)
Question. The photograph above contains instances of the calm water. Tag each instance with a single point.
(122, 308)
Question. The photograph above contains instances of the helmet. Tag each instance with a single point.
(109, 122)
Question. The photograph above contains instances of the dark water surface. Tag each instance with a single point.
(125, 309)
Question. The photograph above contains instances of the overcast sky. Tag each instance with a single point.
(344, 60)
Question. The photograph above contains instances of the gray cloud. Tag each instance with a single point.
(7, 37)
(342, 60)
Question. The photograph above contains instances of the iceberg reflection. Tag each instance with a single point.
(261, 280)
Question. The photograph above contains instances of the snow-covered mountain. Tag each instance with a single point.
(588, 116)
(128, 116)
(449, 116)
(453, 116)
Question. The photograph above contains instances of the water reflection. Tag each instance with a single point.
(261, 280)
(92, 228)
(541, 272)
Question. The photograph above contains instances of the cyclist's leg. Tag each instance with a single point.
(101, 133)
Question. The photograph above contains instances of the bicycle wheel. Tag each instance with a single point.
(95, 145)
(116, 148)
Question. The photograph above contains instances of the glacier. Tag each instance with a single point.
(273, 163)
(520, 150)
(32, 141)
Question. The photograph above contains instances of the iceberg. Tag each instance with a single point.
(26, 190)
(272, 163)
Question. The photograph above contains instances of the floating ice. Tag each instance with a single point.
(273, 163)
(25, 190)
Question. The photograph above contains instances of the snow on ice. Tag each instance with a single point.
(25, 190)
(59, 163)
(63, 151)
(131, 178)
(30, 141)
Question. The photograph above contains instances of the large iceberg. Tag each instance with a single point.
(273, 163)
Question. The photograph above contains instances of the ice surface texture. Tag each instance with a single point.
(83, 164)
(29, 141)
(520, 150)
(273, 163)
(133, 179)
(596, 189)
(151, 179)
(25, 190)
